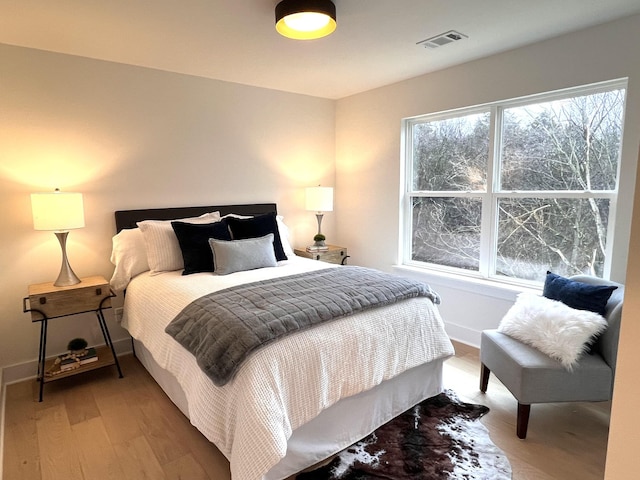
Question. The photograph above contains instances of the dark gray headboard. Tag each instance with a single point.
(128, 218)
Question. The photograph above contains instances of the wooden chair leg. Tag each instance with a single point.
(484, 378)
(523, 420)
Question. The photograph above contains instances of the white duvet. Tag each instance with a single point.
(289, 382)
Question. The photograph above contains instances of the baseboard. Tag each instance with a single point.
(27, 370)
(463, 334)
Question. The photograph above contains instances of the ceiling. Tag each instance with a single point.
(235, 40)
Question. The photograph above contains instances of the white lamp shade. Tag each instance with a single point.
(57, 210)
(319, 199)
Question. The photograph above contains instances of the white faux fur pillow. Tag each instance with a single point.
(555, 329)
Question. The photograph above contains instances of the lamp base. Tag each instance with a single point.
(319, 216)
(319, 238)
(66, 277)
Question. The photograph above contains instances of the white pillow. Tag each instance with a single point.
(240, 255)
(129, 255)
(285, 237)
(163, 249)
(559, 331)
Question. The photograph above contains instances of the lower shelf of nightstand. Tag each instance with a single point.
(105, 358)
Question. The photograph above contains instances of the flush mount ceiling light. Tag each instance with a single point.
(305, 19)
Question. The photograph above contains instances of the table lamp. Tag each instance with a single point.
(319, 199)
(59, 212)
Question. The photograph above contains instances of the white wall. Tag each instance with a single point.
(368, 150)
(129, 137)
(624, 431)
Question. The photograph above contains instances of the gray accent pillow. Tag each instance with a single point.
(239, 255)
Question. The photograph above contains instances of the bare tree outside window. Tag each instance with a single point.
(540, 199)
(451, 154)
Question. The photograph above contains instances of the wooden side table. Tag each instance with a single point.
(46, 302)
(334, 254)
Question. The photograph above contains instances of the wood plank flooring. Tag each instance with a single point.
(96, 426)
(565, 441)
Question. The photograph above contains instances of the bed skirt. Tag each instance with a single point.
(336, 427)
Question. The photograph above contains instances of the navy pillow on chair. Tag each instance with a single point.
(194, 244)
(258, 226)
(578, 295)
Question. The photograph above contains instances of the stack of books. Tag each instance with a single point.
(314, 248)
(71, 361)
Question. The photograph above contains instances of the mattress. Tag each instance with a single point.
(265, 421)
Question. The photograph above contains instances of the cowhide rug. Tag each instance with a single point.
(439, 439)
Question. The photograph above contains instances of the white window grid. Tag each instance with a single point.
(491, 196)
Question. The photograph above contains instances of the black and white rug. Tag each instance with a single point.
(439, 439)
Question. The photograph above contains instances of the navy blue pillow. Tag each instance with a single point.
(258, 226)
(194, 244)
(578, 295)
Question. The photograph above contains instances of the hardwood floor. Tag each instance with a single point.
(565, 441)
(96, 426)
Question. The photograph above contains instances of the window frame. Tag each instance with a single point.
(491, 196)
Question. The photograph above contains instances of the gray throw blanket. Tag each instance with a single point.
(222, 328)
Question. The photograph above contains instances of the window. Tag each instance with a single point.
(513, 189)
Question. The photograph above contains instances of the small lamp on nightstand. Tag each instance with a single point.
(319, 199)
(60, 212)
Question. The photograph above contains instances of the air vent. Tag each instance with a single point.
(442, 39)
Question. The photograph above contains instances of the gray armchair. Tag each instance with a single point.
(533, 377)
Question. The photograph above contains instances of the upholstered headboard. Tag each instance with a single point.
(128, 218)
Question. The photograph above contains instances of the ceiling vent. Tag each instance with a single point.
(442, 39)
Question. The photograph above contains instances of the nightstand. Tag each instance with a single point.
(46, 302)
(334, 254)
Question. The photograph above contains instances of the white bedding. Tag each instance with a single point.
(287, 383)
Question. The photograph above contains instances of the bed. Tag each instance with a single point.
(295, 401)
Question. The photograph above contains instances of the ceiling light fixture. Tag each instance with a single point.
(305, 19)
